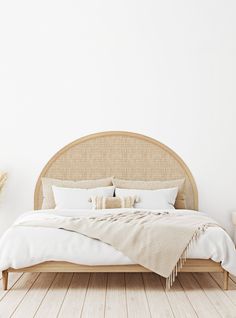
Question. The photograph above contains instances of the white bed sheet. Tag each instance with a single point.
(26, 246)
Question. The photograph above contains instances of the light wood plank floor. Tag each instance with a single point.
(116, 295)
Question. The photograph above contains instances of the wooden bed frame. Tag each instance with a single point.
(125, 155)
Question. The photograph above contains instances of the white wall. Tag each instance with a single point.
(166, 69)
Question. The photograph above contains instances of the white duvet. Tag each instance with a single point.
(23, 246)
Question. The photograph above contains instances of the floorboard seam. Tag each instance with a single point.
(146, 295)
(45, 295)
(24, 295)
(7, 291)
(208, 297)
(65, 295)
(187, 297)
(164, 289)
(81, 314)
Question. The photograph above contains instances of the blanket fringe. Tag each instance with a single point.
(171, 279)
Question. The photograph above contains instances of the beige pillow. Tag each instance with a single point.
(155, 185)
(47, 183)
(113, 202)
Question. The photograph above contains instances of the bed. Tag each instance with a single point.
(127, 156)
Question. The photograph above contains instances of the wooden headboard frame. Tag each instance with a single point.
(121, 154)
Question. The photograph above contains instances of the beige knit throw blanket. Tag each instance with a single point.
(157, 241)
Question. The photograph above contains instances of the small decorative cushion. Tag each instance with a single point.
(99, 202)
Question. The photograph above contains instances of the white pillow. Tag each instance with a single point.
(75, 198)
(151, 199)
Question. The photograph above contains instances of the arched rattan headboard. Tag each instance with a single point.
(121, 154)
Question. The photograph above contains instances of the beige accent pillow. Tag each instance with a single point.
(113, 202)
(155, 185)
(47, 183)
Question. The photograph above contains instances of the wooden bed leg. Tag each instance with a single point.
(226, 280)
(4, 279)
